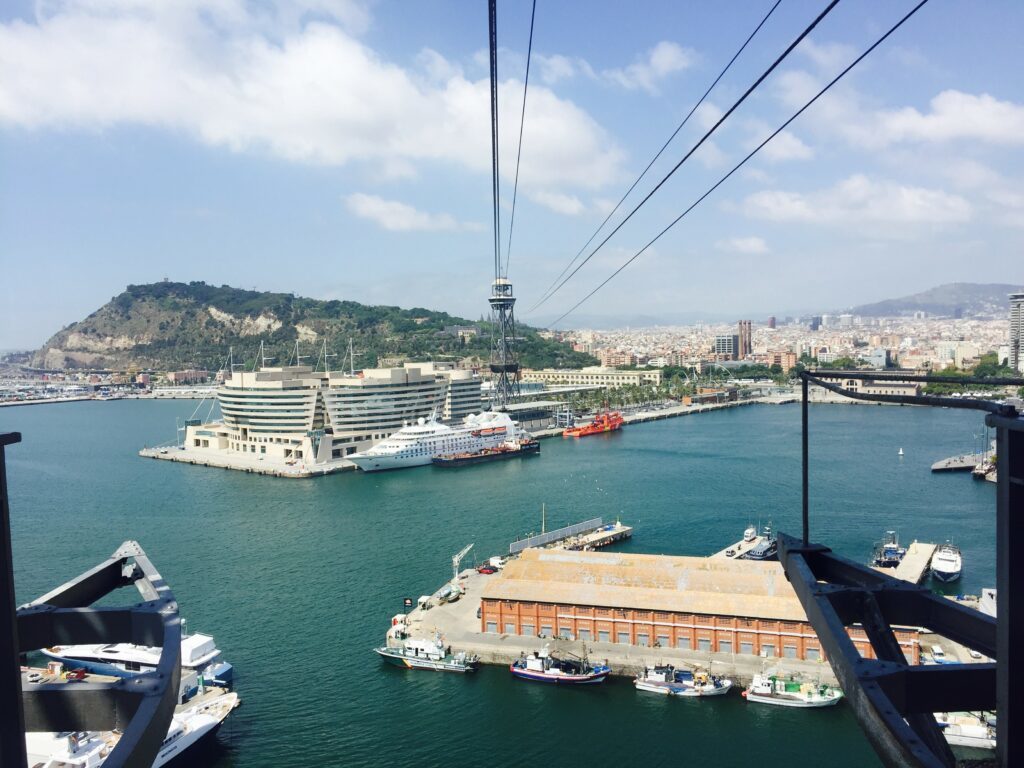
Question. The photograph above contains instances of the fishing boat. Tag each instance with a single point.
(962, 729)
(510, 449)
(199, 653)
(428, 653)
(888, 552)
(667, 680)
(415, 445)
(609, 421)
(90, 749)
(947, 563)
(766, 549)
(772, 689)
(540, 666)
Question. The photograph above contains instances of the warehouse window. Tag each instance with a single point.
(789, 651)
(528, 630)
(767, 650)
(585, 635)
(565, 633)
(662, 641)
(604, 636)
(510, 628)
(747, 648)
(725, 646)
(642, 638)
(812, 654)
(545, 630)
(683, 642)
(703, 644)
(622, 637)
(492, 626)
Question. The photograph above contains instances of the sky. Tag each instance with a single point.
(340, 149)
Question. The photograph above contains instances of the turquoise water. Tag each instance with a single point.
(297, 580)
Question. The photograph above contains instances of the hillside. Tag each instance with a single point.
(167, 326)
(971, 299)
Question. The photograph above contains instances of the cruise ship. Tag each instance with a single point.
(416, 444)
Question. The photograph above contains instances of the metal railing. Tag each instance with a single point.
(893, 700)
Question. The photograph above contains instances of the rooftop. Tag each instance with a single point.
(744, 588)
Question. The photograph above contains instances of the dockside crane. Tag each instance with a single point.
(456, 559)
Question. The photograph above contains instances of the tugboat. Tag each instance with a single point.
(540, 666)
(668, 680)
(766, 549)
(421, 653)
(888, 552)
(947, 563)
(608, 421)
(771, 689)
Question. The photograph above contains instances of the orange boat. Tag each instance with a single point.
(605, 422)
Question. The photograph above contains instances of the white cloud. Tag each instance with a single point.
(707, 114)
(745, 245)
(646, 72)
(829, 57)
(570, 205)
(858, 200)
(555, 68)
(953, 115)
(306, 90)
(400, 217)
(785, 146)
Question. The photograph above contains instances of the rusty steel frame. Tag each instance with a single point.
(894, 701)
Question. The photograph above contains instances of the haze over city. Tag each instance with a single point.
(339, 150)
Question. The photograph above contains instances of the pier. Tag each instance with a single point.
(914, 565)
(254, 464)
(588, 535)
(963, 463)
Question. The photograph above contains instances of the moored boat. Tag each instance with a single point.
(510, 449)
(765, 549)
(666, 679)
(609, 421)
(199, 654)
(947, 563)
(540, 666)
(772, 689)
(962, 729)
(427, 653)
(888, 552)
(90, 749)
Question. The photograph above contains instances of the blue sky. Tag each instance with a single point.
(340, 149)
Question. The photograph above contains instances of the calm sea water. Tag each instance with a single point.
(297, 580)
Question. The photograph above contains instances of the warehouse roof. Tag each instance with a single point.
(710, 586)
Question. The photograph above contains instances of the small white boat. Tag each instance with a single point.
(772, 689)
(947, 563)
(900, 453)
(89, 749)
(965, 730)
(667, 680)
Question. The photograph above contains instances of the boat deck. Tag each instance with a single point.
(914, 565)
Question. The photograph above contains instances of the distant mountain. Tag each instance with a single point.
(168, 326)
(971, 299)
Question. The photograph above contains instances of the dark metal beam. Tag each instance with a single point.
(12, 724)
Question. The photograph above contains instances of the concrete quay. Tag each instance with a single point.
(459, 626)
(253, 464)
(914, 565)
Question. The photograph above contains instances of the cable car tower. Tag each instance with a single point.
(504, 363)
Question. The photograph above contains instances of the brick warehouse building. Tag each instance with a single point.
(703, 604)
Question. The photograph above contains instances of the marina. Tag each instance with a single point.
(348, 520)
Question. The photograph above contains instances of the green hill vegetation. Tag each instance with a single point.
(171, 326)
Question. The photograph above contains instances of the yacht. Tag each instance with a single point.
(199, 654)
(417, 444)
(888, 552)
(947, 563)
(90, 749)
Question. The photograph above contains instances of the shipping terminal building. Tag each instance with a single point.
(713, 605)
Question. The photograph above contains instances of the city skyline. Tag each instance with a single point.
(326, 149)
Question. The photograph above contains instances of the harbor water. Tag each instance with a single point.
(298, 579)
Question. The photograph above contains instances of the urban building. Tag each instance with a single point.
(614, 358)
(717, 605)
(878, 358)
(771, 322)
(462, 393)
(785, 360)
(595, 376)
(1017, 332)
(726, 346)
(191, 376)
(745, 339)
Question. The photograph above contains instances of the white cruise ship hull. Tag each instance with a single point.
(369, 463)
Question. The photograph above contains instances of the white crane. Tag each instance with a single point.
(456, 559)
